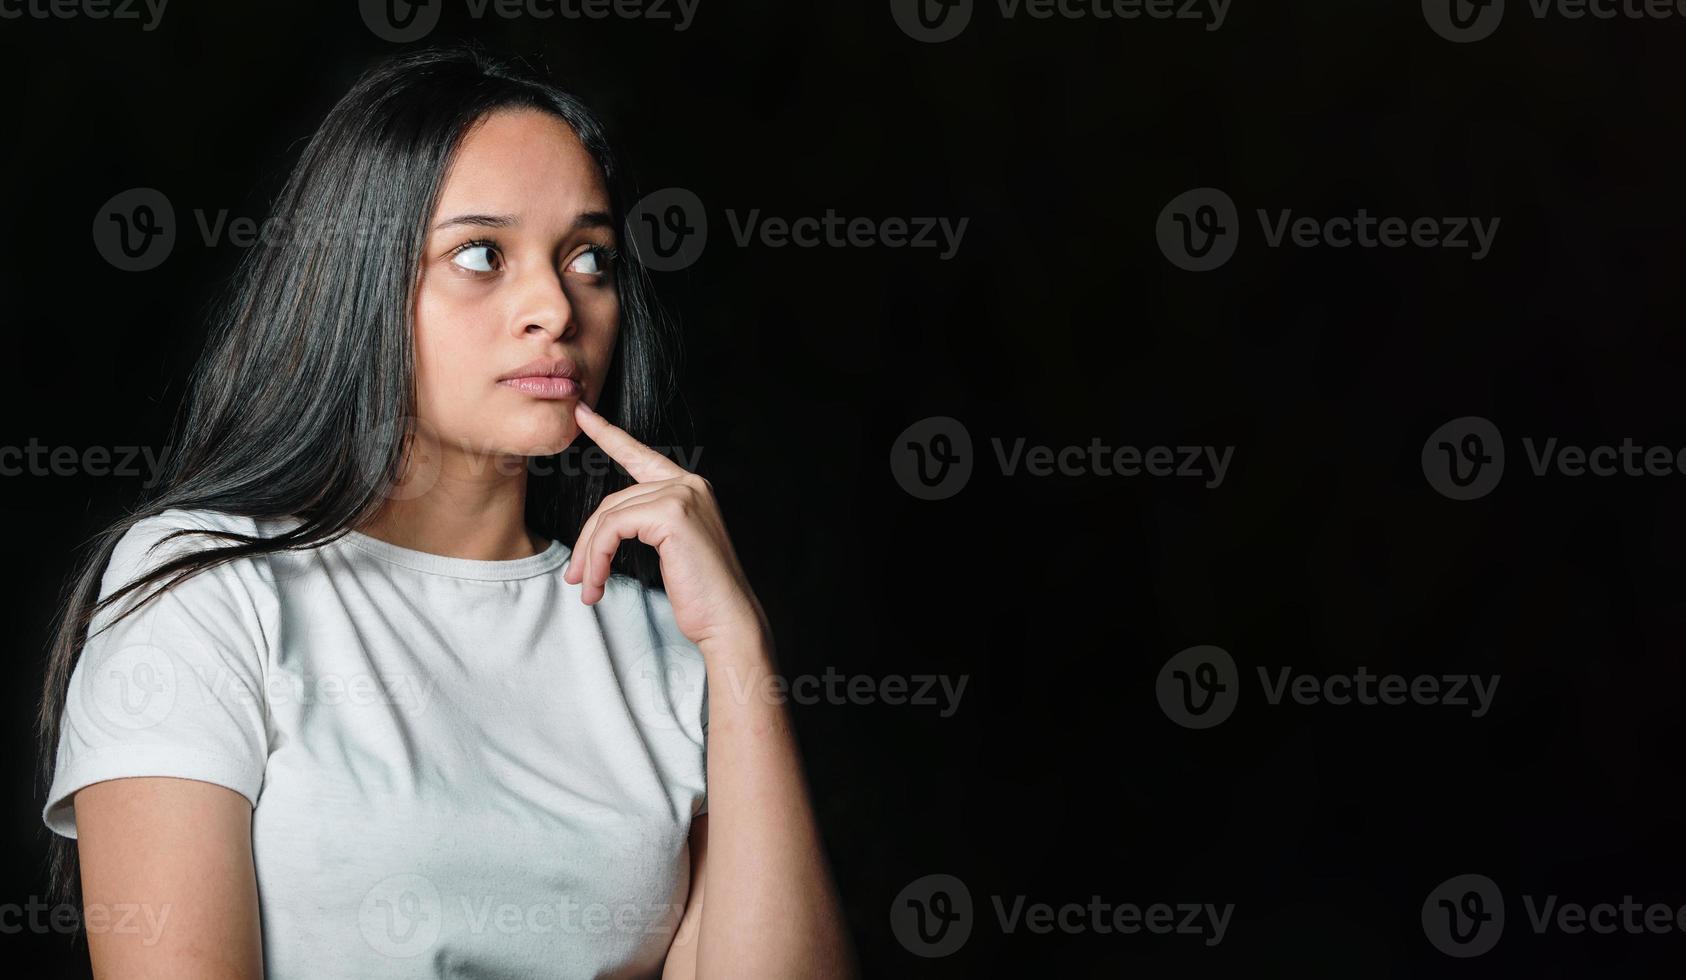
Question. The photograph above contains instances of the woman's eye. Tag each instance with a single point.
(591, 262)
(474, 258)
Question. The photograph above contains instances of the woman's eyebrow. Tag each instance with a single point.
(593, 219)
(478, 220)
(585, 219)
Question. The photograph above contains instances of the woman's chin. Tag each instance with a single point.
(547, 443)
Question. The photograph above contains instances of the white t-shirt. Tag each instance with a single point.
(457, 768)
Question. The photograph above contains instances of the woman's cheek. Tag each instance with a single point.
(603, 349)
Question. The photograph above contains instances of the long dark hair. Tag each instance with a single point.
(305, 395)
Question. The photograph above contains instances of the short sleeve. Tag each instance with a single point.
(175, 688)
(700, 713)
(703, 808)
(680, 695)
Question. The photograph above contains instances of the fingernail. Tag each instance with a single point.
(583, 407)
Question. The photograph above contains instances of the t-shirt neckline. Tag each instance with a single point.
(489, 570)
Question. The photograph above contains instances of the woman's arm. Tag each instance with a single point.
(774, 912)
(771, 909)
(169, 889)
(681, 963)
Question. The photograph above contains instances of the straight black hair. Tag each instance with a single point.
(304, 398)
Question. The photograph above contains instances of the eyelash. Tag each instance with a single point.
(608, 252)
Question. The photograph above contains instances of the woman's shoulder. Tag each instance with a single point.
(195, 519)
(156, 539)
(180, 530)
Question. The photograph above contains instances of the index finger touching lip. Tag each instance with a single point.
(642, 463)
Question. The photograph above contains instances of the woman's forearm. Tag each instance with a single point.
(771, 908)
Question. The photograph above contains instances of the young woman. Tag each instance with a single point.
(339, 700)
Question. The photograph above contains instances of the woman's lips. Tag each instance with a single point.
(540, 387)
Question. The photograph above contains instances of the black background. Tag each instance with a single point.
(1059, 598)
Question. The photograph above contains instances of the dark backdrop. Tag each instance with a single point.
(1060, 776)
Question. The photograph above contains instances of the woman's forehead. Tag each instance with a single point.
(526, 164)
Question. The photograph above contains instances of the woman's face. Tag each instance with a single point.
(518, 269)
